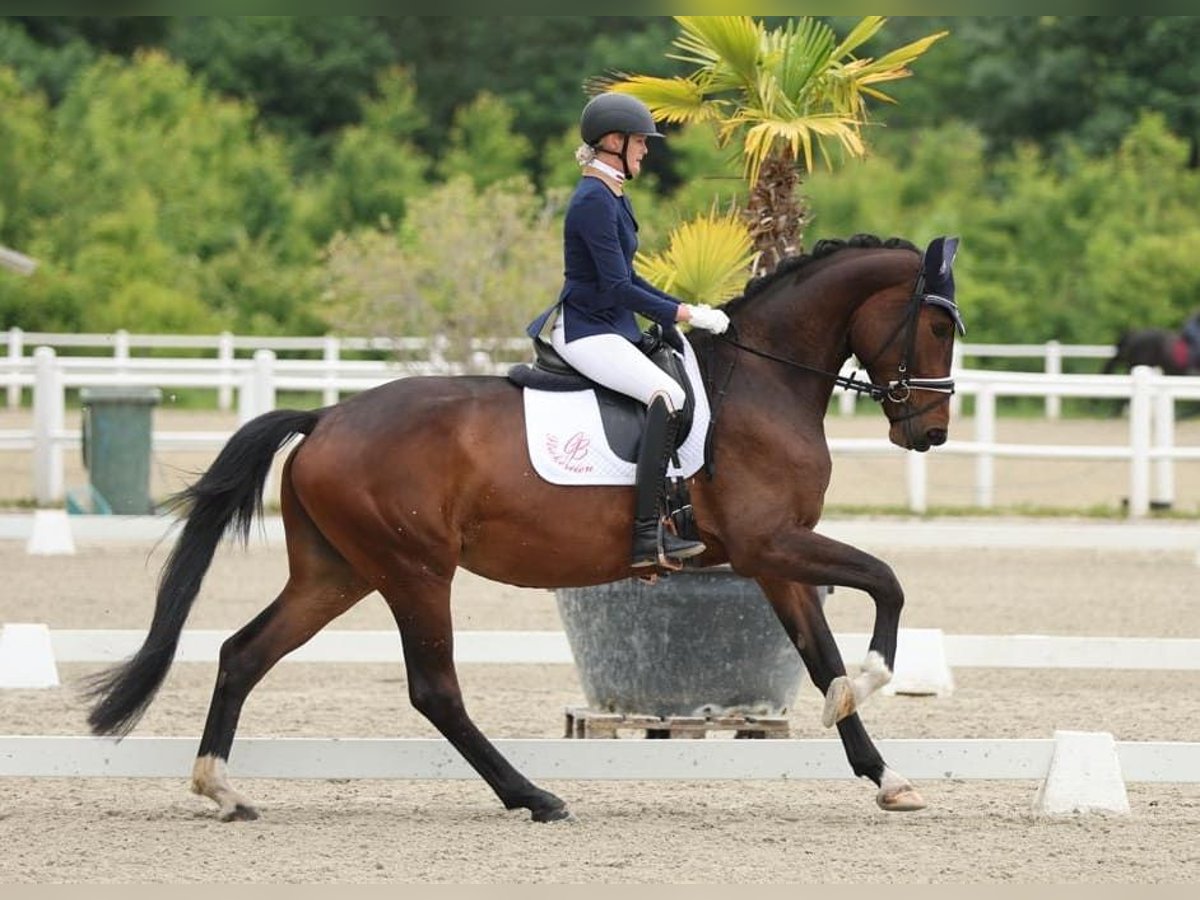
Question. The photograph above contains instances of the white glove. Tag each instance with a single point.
(704, 316)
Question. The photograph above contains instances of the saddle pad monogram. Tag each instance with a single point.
(567, 443)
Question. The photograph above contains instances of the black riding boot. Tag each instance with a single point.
(658, 441)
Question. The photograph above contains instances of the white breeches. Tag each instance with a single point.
(612, 361)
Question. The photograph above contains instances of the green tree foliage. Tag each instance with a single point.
(1055, 80)
(193, 190)
(49, 52)
(536, 63)
(1075, 251)
(466, 264)
(375, 168)
(483, 144)
(308, 76)
(147, 180)
(24, 151)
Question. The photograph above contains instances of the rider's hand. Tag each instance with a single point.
(704, 316)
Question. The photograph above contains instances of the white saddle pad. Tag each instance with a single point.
(567, 444)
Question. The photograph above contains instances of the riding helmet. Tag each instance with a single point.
(615, 112)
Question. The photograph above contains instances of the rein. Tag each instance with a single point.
(899, 390)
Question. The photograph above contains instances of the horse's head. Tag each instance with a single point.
(880, 300)
(904, 337)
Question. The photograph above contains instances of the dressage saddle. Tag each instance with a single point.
(623, 417)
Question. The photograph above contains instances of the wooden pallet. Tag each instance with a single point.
(586, 723)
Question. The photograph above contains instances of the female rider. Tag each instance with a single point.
(594, 328)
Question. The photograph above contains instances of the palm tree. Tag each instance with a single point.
(781, 94)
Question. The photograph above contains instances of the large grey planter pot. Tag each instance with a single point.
(700, 642)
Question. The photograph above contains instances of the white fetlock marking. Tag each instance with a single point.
(896, 793)
(209, 780)
(839, 701)
(875, 674)
(893, 782)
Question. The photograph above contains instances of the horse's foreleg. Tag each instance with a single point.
(803, 618)
(422, 611)
(806, 557)
(297, 614)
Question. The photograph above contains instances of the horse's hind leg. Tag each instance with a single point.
(420, 603)
(804, 620)
(320, 587)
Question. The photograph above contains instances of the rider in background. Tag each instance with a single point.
(594, 328)
(1191, 334)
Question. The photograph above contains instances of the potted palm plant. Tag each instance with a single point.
(705, 642)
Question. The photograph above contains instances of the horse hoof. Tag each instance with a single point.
(903, 799)
(240, 813)
(553, 814)
(839, 701)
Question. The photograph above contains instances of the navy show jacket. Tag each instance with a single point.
(601, 291)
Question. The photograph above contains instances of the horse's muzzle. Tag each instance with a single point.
(934, 437)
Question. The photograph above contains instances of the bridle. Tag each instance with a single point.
(900, 389)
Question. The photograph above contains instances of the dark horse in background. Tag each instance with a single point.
(1167, 350)
(393, 489)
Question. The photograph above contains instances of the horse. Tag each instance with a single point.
(1157, 347)
(394, 488)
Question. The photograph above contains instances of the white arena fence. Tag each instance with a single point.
(1151, 450)
(422, 354)
(1078, 771)
(1017, 651)
(579, 759)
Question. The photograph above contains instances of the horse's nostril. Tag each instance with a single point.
(936, 436)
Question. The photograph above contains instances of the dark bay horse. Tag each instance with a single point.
(395, 488)
(1157, 347)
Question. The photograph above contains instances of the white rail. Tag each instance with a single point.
(422, 353)
(1018, 651)
(223, 371)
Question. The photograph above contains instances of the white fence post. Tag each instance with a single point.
(16, 350)
(438, 344)
(1164, 442)
(848, 400)
(264, 381)
(918, 481)
(48, 416)
(225, 355)
(1053, 370)
(121, 350)
(985, 436)
(331, 353)
(1140, 402)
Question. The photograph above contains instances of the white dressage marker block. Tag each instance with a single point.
(1084, 776)
(921, 668)
(27, 657)
(51, 534)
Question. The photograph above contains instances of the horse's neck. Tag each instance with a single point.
(811, 327)
(782, 390)
(807, 323)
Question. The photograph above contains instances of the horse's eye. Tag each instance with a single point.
(942, 330)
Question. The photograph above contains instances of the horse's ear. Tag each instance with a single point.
(938, 266)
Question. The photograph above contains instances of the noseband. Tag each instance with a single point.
(900, 389)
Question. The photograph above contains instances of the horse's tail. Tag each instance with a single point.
(228, 495)
(1122, 354)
